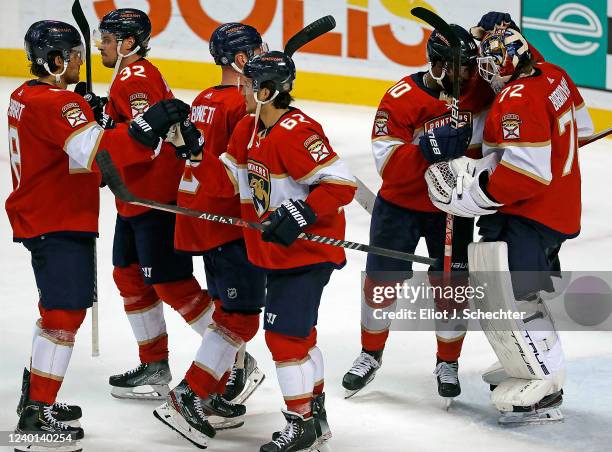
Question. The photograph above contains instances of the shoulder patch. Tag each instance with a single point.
(139, 103)
(73, 114)
(380, 123)
(316, 147)
(511, 126)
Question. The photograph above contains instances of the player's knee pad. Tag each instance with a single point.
(135, 293)
(242, 324)
(378, 299)
(288, 348)
(185, 296)
(64, 322)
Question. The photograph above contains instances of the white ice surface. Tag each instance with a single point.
(399, 411)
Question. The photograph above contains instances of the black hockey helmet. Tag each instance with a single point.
(229, 39)
(272, 66)
(125, 23)
(46, 36)
(438, 47)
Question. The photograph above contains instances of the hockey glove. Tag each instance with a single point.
(188, 141)
(490, 20)
(445, 143)
(286, 223)
(154, 124)
(97, 105)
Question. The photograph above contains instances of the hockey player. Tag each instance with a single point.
(147, 270)
(53, 209)
(232, 282)
(527, 191)
(288, 177)
(411, 131)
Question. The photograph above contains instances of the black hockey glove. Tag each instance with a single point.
(489, 21)
(97, 105)
(154, 124)
(286, 223)
(445, 143)
(193, 142)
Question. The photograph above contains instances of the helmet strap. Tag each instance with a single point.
(257, 112)
(120, 58)
(236, 68)
(58, 77)
(437, 79)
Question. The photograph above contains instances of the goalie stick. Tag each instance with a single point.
(309, 33)
(81, 21)
(119, 189)
(445, 30)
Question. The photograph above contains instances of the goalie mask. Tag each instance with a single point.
(502, 52)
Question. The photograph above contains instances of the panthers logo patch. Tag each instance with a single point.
(316, 147)
(380, 123)
(139, 103)
(511, 126)
(73, 114)
(259, 183)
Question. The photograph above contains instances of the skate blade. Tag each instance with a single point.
(74, 446)
(550, 416)
(348, 393)
(254, 380)
(447, 402)
(169, 416)
(226, 423)
(144, 392)
(322, 444)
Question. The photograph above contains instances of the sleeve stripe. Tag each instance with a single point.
(524, 172)
(316, 169)
(584, 122)
(383, 150)
(526, 144)
(335, 171)
(82, 145)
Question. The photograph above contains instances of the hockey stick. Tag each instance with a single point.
(309, 33)
(81, 21)
(445, 30)
(596, 136)
(117, 186)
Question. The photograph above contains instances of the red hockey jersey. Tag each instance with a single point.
(136, 87)
(534, 125)
(215, 112)
(53, 140)
(290, 160)
(406, 110)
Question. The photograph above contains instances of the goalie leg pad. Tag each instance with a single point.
(529, 349)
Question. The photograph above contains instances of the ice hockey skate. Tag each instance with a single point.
(298, 435)
(69, 414)
(322, 429)
(38, 419)
(446, 373)
(362, 372)
(148, 381)
(244, 380)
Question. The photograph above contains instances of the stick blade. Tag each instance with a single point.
(309, 33)
(436, 22)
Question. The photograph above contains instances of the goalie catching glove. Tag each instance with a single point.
(458, 186)
(155, 123)
(286, 223)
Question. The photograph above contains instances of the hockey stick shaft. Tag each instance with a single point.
(309, 33)
(444, 28)
(81, 21)
(117, 186)
(95, 330)
(596, 136)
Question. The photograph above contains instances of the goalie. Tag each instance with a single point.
(526, 191)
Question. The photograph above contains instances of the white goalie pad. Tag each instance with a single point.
(528, 348)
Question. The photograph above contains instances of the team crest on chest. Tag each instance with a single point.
(73, 114)
(139, 103)
(465, 117)
(511, 126)
(380, 123)
(315, 145)
(259, 183)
